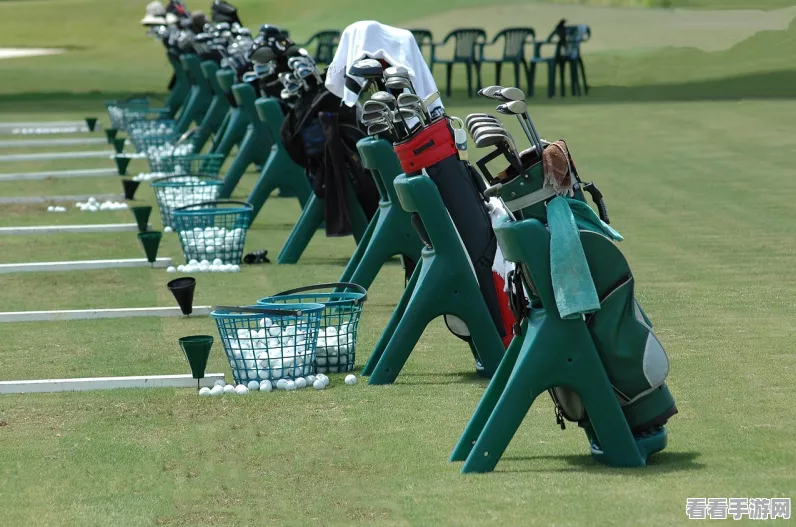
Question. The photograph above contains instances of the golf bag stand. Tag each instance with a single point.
(237, 120)
(605, 370)
(390, 233)
(216, 112)
(179, 91)
(199, 96)
(279, 172)
(256, 142)
(446, 281)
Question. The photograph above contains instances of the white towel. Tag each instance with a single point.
(370, 39)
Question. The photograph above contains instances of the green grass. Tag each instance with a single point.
(668, 135)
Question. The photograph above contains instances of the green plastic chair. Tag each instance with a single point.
(424, 39)
(199, 97)
(256, 143)
(466, 43)
(443, 283)
(390, 232)
(567, 41)
(514, 41)
(325, 45)
(553, 352)
(279, 171)
(237, 120)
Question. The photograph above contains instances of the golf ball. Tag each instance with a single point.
(171, 269)
(280, 384)
(350, 379)
(204, 392)
(290, 386)
(168, 229)
(217, 390)
(266, 386)
(300, 383)
(229, 388)
(241, 390)
(318, 384)
(219, 383)
(253, 385)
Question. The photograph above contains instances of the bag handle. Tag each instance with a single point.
(260, 310)
(336, 285)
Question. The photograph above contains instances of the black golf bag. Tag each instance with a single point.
(461, 189)
(320, 135)
(221, 11)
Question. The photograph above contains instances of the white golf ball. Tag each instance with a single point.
(241, 390)
(236, 268)
(171, 269)
(350, 379)
(168, 229)
(318, 384)
(280, 384)
(204, 392)
(219, 383)
(193, 262)
(216, 390)
(253, 386)
(266, 386)
(229, 388)
(50, 208)
(309, 379)
(300, 383)
(290, 386)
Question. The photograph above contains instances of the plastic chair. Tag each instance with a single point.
(567, 40)
(326, 44)
(443, 283)
(390, 232)
(466, 40)
(514, 41)
(424, 39)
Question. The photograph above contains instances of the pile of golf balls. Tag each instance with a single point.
(270, 352)
(196, 192)
(209, 242)
(52, 208)
(147, 176)
(92, 205)
(205, 266)
(319, 382)
(335, 349)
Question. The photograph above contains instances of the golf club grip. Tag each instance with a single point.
(603, 210)
(259, 310)
(346, 285)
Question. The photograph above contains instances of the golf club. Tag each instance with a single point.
(388, 100)
(400, 71)
(414, 102)
(489, 91)
(369, 69)
(514, 108)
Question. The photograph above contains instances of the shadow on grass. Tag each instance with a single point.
(662, 462)
(442, 379)
(772, 85)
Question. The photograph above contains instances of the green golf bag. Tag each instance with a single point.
(634, 360)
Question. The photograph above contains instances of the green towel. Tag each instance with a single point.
(572, 284)
(588, 220)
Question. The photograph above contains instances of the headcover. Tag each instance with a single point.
(222, 11)
(198, 21)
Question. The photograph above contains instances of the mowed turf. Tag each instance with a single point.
(707, 241)
(702, 190)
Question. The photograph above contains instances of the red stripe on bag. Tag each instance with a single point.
(430, 146)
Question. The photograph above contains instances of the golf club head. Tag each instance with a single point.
(396, 71)
(371, 117)
(474, 115)
(490, 91)
(375, 106)
(366, 69)
(487, 140)
(249, 76)
(397, 83)
(384, 98)
(409, 99)
(378, 128)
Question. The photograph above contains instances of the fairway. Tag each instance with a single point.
(688, 132)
